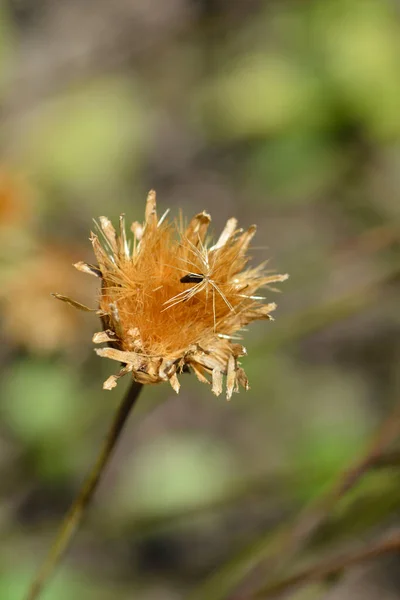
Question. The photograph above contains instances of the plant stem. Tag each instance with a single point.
(290, 540)
(318, 511)
(78, 509)
(327, 568)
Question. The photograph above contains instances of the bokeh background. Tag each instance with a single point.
(283, 113)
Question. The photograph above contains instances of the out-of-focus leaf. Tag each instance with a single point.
(334, 432)
(294, 165)
(362, 52)
(14, 586)
(40, 400)
(81, 141)
(173, 472)
(42, 406)
(263, 95)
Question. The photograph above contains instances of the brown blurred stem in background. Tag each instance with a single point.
(290, 541)
(314, 515)
(328, 568)
(79, 506)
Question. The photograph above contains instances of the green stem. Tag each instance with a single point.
(77, 511)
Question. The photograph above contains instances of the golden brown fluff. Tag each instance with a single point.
(171, 300)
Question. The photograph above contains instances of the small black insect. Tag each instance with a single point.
(192, 278)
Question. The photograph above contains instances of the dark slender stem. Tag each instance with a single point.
(292, 539)
(78, 509)
(327, 568)
(317, 512)
(388, 460)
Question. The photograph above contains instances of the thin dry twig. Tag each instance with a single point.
(290, 540)
(318, 511)
(327, 568)
(388, 460)
(79, 506)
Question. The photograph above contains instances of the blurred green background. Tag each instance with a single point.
(283, 113)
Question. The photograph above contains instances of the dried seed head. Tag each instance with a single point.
(15, 198)
(171, 301)
(29, 316)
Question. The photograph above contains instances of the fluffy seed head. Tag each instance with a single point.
(171, 300)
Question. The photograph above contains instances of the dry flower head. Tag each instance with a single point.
(172, 301)
(15, 198)
(29, 316)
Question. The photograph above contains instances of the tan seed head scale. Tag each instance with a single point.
(173, 301)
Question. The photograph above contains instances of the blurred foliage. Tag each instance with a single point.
(81, 140)
(280, 113)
